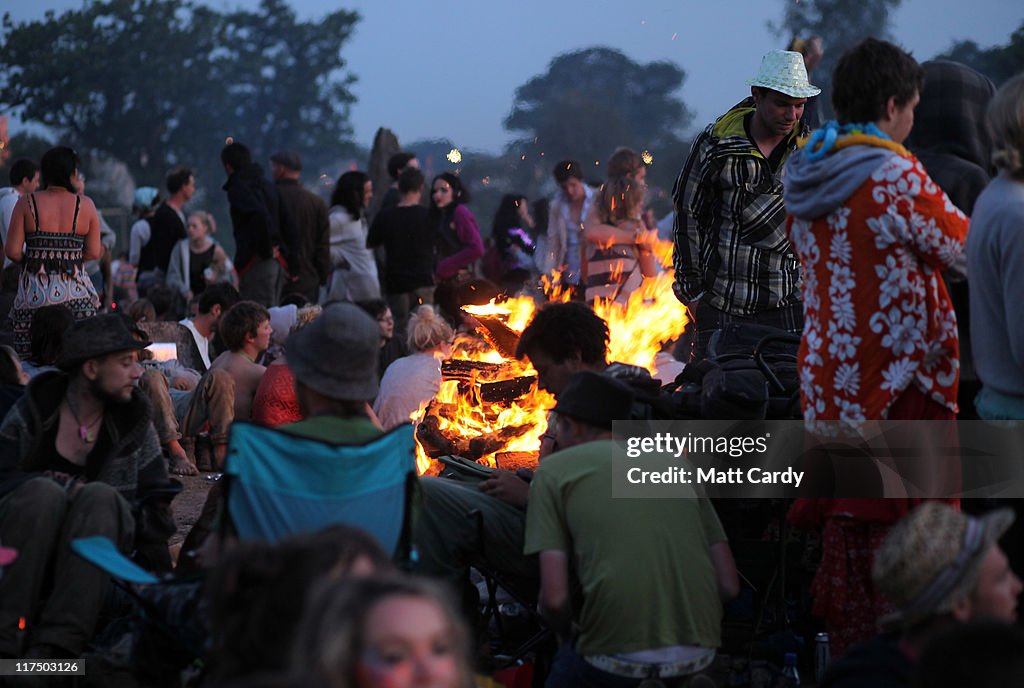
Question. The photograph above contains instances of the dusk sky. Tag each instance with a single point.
(450, 69)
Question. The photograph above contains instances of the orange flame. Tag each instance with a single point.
(638, 331)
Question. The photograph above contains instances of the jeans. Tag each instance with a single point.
(709, 319)
(262, 282)
(570, 670)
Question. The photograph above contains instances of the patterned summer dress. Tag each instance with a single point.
(52, 273)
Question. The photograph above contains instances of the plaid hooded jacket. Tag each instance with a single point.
(730, 244)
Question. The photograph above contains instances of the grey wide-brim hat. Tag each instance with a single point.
(338, 353)
(784, 71)
(931, 559)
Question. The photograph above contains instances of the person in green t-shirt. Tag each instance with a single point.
(653, 572)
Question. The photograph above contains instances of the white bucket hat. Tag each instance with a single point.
(784, 71)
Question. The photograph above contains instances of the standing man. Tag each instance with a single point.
(311, 264)
(78, 457)
(397, 163)
(24, 180)
(151, 242)
(262, 227)
(874, 234)
(654, 572)
(732, 259)
(568, 210)
(407, 238)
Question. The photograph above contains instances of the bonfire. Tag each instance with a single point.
(489, 408)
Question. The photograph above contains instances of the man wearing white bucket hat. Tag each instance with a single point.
(733, 262)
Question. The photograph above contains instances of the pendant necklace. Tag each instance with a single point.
(86, 431)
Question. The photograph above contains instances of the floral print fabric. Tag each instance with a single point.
(877, 316)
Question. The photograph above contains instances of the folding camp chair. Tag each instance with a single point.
(511, 650)
(280, 483)
(160, 632)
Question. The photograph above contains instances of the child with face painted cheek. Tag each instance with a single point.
(392, 632)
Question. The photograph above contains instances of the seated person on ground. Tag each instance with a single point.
(78, 457)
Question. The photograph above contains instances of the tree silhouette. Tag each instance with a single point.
(588, 103)
(156, 83)
(998, 63)
(841, 25)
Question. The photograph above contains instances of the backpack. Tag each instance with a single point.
(750, 374)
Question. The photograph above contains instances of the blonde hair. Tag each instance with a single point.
(622, 198)
(427, 329)
(1006, 124)
(304, 316)
(207, 220)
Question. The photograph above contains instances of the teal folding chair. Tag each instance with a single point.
(280, 484)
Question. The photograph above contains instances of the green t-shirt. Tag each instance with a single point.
(328, 428)
(643, 564)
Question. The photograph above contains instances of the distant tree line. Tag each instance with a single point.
(998, 63)
(154, 83)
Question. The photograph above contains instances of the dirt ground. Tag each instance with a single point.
(188, 505)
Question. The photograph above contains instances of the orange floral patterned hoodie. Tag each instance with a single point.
(873, 233)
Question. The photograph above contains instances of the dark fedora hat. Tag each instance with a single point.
(98, 336)
(595, 399)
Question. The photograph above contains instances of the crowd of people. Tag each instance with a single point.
(856, 236)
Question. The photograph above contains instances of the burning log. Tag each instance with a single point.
(494, 441)
(506, 391)
(467, 371)
(499, 335)
(430, 437)
(435, 443)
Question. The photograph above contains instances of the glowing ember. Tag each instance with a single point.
(647, 157)
(455, 156)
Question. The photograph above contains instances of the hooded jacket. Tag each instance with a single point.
(730, 244)
(259, 219)
(873, 233)
(949, 135)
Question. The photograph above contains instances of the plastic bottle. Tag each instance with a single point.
(790, 677)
